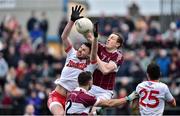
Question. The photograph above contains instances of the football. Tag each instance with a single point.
(84, 25)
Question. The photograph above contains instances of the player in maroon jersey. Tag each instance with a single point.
(80, 102)
(109, 60)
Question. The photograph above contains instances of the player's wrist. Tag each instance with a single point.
(127, 99)
(74, 18)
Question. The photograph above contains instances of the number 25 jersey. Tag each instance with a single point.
(152, 97)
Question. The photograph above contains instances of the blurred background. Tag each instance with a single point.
(32, 55)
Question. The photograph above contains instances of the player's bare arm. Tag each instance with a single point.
(89, 39)
(74, 16)
(106, 68)
(93, 56)
(112, 102)
(118, 102)
(172, 103)
(94, 38)
(66, 41)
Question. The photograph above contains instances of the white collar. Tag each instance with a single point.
(80, 88)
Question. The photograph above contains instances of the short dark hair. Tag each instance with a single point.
(153, 71)
(84, 78)
(120, 39)
(88, 45)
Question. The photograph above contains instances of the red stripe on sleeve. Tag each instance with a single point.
(68, 49)
(171, 101)
(94, 62)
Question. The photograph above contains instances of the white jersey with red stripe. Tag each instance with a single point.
(152, 97)
(73, 66)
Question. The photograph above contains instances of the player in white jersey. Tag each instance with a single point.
(80, 102)
(76, 62)
(153, 93)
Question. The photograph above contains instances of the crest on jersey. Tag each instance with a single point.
(149, 83)
(119, 57)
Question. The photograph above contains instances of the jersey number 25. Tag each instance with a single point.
(151, 95)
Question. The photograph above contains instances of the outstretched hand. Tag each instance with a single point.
(132, 96)
(76, 13)
(89, 35)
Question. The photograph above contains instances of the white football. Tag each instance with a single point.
(84, 25)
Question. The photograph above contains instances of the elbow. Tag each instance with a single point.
(63, 37)
(108, 105)
(174, 104)
(104, 72)
(112, 104)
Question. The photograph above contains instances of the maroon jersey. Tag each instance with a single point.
(79, 102)
(107, 81)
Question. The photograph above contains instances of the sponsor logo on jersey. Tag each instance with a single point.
(73, 64)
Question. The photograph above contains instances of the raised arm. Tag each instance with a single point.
(74, 16)
(93, 56)
(95, 31)
(66, 41)
(94, 47)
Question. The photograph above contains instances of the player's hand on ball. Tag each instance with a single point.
(132, 96)
(89, 36)
(76, 13)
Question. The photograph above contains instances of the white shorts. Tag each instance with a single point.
(101, 93)
(69, 85)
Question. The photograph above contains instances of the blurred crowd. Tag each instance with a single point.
(27, 69)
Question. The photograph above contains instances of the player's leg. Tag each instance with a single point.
(101, 94)
(56, 102)
(56, 108)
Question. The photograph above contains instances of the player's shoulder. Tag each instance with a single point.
(87, 96)
(142, 83)
(159, 83)
(70, 50)
(72, 53)
(163, 85)
(100, 44)
(119, 53)
(83, 92)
